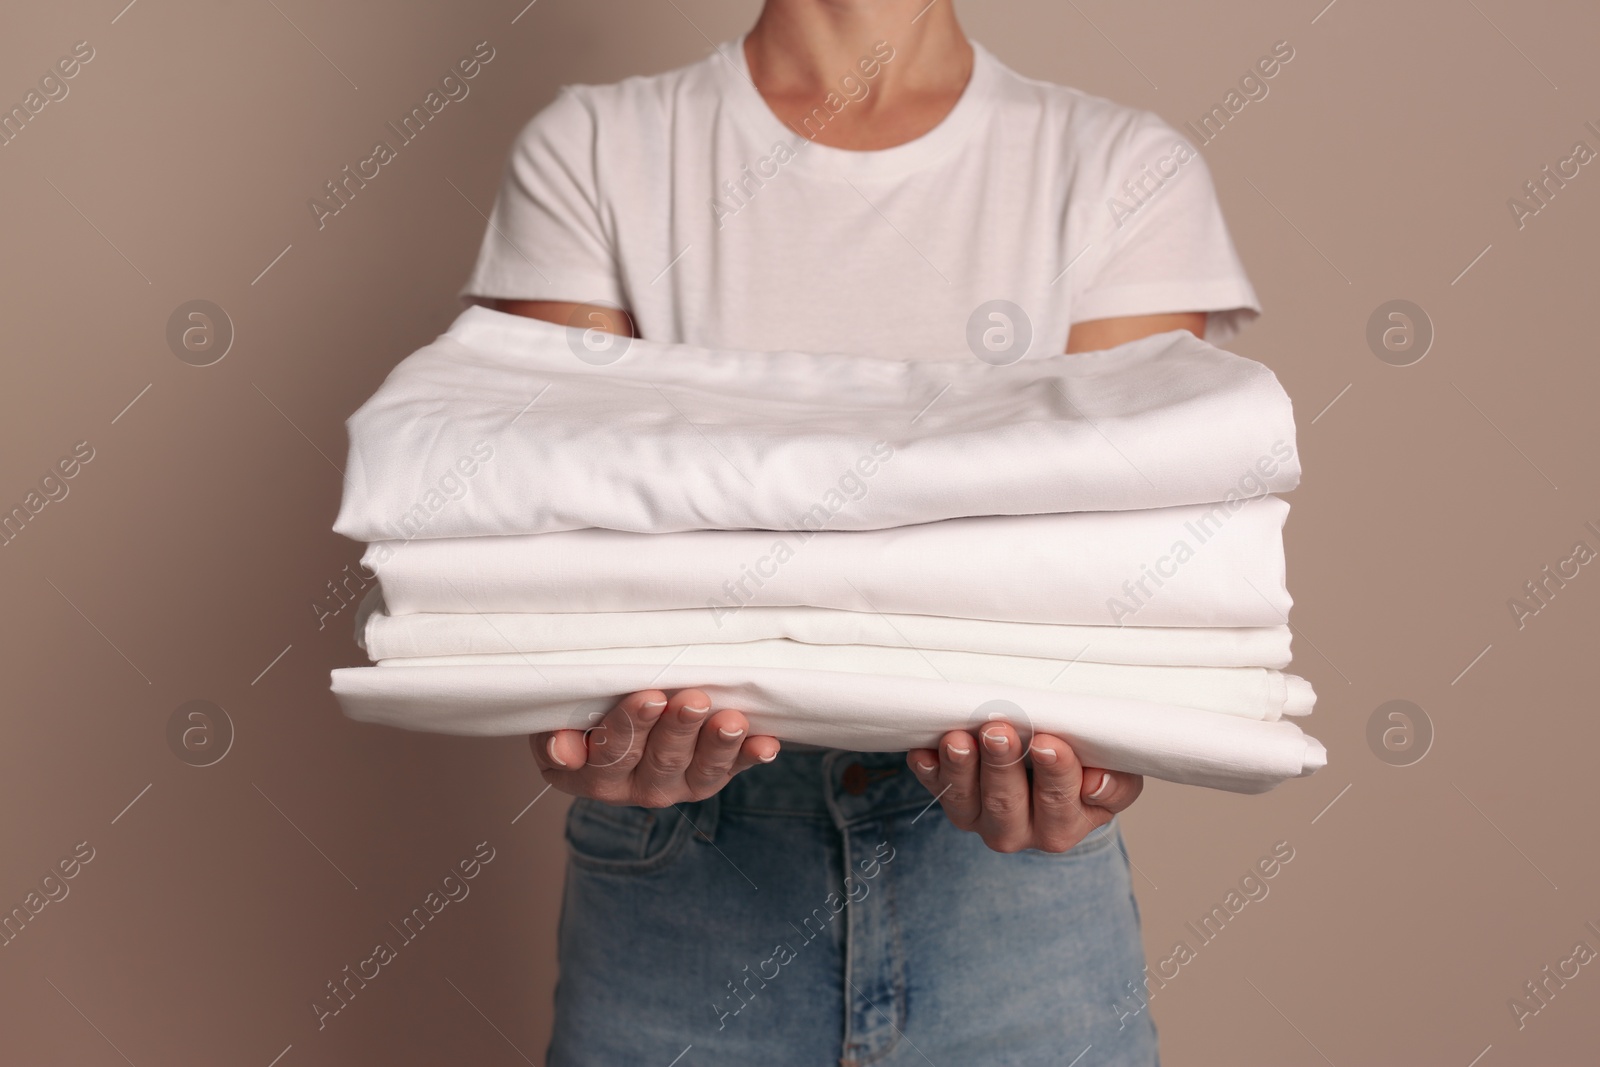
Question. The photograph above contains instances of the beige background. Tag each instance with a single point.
(189, 551)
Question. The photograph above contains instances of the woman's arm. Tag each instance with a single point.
(650, 749)
(983, 786)
(1087, 336)
(583, 316)
(1095, 334)
(1051, 802)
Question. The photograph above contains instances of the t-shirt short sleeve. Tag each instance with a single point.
(1166, 246)
(546, 238)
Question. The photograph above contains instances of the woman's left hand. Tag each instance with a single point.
(984, 786)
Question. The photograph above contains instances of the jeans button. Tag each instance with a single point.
(854, 780)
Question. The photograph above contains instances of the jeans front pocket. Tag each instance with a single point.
(1097, 840)
(624, 839)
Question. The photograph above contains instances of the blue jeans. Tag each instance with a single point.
(821, 910)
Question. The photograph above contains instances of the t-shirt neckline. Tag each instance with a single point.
(948, 135)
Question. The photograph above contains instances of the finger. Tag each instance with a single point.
(1059, 818)
(1006, 823)
(1113, 791)
(670, 747)
(616, 745)
(956, 783)
(569, 745)
(924, 763)
(755, 751)
(715, 751)
(559, 750)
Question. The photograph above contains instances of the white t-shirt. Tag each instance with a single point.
(682, 198)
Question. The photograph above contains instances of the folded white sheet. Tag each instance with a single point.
(1196, 565)
(1249, 692)
(384, 636)
(499, 427)
(851, 711)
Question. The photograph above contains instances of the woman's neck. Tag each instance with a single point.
(893, 68)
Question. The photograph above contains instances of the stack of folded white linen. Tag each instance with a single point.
(856, 552)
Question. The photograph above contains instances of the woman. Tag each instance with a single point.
(850, 176)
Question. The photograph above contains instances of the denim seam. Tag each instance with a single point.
(668, 852)
(847, 990)
(898, 1021)
(817, 816)
(1101, 837)
(707, 814)
(613, 815)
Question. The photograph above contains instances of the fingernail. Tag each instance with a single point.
(550, 750)
(693, 714)
(731, 732)
(651, 710)
(654, 704)
(927, 768)
(1103, 788)
(956, 751)
(1044, 755)
(997, 743)
(768, 759)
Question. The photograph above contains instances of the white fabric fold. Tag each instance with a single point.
(384, 636)
(509, 425)
(1195, 565)
(851, 711)
(1249, 692)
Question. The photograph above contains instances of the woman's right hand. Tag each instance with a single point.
(652, 752)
